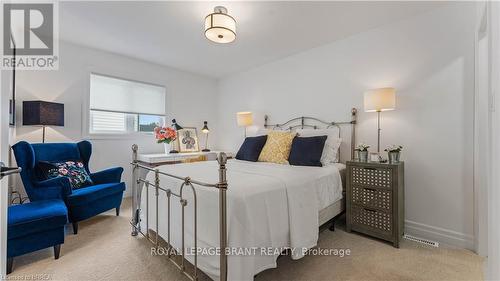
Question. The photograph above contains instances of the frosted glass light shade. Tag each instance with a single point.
(382, 99)
(244, 119)
(220, 27)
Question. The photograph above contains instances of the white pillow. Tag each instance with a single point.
(261, 132)
(332, 144)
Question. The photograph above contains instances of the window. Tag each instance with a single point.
(119, 106)
(147, 123)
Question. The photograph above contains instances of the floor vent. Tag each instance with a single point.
(421, 240)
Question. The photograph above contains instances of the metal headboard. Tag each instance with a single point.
(315, 123)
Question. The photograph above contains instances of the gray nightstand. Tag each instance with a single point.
(375, 199)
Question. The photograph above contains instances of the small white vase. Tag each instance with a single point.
(167, 147)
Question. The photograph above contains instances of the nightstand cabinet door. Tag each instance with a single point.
(375, 199)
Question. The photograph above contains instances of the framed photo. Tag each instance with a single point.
(374, 157)
(188, 140)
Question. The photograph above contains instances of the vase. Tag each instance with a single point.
(356, 155)
(363, 156)
(167, 147)
(394, 156)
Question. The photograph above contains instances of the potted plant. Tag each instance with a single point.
(362, 150)
(165, 135)
(394, 151)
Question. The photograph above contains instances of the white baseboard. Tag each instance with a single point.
(441, 235)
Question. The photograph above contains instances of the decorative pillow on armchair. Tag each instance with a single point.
(277, 147)
(73, 170)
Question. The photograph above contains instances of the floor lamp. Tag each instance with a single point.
(244, 119)
(43, 113)
(378, 100)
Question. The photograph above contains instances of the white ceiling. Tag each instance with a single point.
(171, 33)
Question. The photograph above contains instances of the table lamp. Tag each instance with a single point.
(205, 130)
(176, 127)
(43, 113)
(378, 100)
(244, 119)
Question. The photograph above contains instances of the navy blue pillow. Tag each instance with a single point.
(307, 151)
(251, 148)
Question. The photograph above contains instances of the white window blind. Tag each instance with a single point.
(108, 121)
(119, 95)
(119, 106)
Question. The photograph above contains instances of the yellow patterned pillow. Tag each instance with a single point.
(277, 147)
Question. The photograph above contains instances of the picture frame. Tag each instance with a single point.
(188, 140)
(374, 157)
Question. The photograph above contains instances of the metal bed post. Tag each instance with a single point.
(135, 203)
(354, 115)
(157, 194)
(222, 186)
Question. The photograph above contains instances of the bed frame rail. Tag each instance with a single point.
(139, 181)
(315, 123)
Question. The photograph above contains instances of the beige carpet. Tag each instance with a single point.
(104, 250)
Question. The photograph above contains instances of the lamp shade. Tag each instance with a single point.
(175, 125)
(220, 27)
(36, 113)
(205, 128)
(382, 99)
(244, 119)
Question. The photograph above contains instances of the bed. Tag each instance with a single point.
(239, 226)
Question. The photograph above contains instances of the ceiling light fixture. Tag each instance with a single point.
(220, 27)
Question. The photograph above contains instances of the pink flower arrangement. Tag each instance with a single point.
(165, 134)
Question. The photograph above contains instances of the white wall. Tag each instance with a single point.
(190, 100)
(429, 59)
(493, 32)
(481, 131)
(5, 90)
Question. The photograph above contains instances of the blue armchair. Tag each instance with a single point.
(105, 194)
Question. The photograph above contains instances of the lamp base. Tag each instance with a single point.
(43, 134)
(205, 150)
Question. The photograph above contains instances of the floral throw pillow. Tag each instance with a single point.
(73, 170)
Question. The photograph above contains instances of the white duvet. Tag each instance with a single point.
(270, 207)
